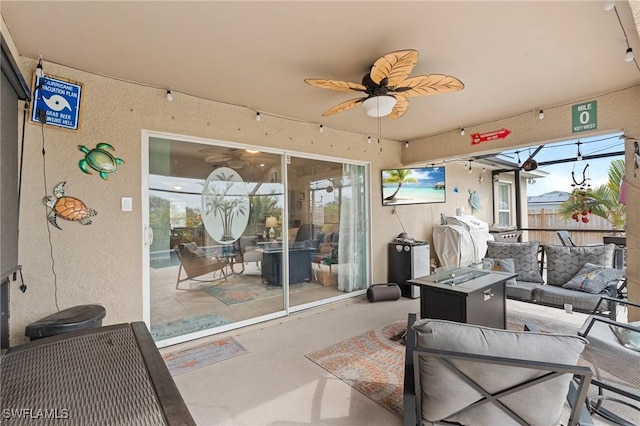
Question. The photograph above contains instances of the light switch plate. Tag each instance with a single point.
(127, 204)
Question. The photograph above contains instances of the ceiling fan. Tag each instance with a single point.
(387, 86)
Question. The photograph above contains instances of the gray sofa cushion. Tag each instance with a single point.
(443, 393)
(524, 255)
(523, 290)
(558, 296)
(563, 263)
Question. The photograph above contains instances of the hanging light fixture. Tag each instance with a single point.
(39, 70)
(462, 131)
(470, 171)
(628, 56)
(406, 144)
(169, 95)
(368, 139)
(579, 154)
(379, 106)
(519, 161)
(541, 115)
(321, 128)
(258, 116)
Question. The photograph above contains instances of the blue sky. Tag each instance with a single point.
(559, 178)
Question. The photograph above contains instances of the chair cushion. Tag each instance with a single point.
(443, 393)
(593, 278)
(563, 263)
(500, 265)
(524, 255)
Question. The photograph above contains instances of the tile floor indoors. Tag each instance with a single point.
(274, 384)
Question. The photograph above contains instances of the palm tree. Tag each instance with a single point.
(399, 176)
(603, 201)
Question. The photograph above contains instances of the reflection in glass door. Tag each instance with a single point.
(234, 245)
(215, 213)
(327, 220)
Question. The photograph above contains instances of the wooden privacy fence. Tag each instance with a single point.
(546, 223)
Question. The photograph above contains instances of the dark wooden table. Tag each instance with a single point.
(480, 301)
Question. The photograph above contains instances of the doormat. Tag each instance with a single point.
(188, 325)
(186, 360)
(235, 291)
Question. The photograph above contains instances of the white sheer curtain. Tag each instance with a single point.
(352, 239)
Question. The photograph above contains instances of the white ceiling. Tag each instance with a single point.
(512, 56)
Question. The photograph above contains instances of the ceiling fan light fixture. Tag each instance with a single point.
(379, 106)
(235, 164)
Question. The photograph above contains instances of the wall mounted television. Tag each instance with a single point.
(418, 185)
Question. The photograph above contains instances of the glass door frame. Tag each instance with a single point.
(147, 236)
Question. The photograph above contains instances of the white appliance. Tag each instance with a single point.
(462, 241)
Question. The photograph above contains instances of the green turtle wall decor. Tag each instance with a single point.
(99, 159)
(68, 208)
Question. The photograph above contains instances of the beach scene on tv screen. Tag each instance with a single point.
(413, 186)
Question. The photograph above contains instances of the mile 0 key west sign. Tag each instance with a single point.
(477, 138)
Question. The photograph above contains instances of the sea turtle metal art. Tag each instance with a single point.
(68, 208)
(99, 159)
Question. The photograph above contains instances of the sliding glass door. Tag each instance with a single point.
(241, 235)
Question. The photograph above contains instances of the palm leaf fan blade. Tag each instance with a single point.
(395, 66)
(401, 106)
(432, 84)
(344, 106)
(345, 86)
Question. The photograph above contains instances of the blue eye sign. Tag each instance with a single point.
(56, 102)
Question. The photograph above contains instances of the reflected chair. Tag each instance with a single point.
(195, 263)
(459, 373)
(250, 251)
(615, 364)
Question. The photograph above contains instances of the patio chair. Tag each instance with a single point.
(195, 263)
(565, 239)
(615, 363)
(459, 373)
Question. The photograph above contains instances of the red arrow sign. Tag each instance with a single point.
(477, 138)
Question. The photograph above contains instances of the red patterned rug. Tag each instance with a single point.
(371, 363)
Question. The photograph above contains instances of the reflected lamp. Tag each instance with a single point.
(270, 223)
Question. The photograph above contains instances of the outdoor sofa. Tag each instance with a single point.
(578, 276)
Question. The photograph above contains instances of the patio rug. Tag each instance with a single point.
(248, 288)
(373, 364)
(188, 325)
(185, 360)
